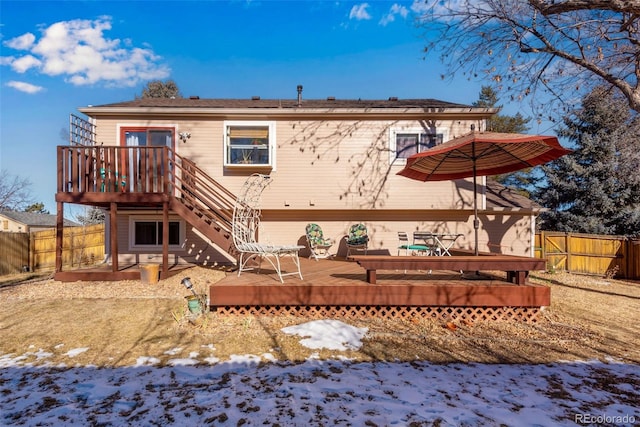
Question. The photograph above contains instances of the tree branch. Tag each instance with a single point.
(557, 7)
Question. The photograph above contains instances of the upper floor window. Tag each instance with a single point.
(405, 143)
(148, 137)
(249, 144)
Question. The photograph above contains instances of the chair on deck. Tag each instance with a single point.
(425, 242)
(357, 238)
(318, 244)
(404, 245)
(244, 227)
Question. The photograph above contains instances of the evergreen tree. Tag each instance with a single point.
(37, 208)
(499, 123)
(597, 188)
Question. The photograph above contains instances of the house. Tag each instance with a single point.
(27, 222)
(168, 172)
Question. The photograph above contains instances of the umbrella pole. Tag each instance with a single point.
(476, 222)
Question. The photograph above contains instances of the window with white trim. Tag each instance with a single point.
(146, 233)
(406, 142)
(249, 144)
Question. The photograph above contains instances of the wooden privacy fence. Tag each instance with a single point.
(14, 252)
(37, 251)
(589, 253)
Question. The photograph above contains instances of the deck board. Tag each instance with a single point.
(340, 282)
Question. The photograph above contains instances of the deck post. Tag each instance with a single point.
(59, 234)
(113, 234)
(165, 238)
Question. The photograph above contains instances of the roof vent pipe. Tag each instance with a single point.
(299, 95)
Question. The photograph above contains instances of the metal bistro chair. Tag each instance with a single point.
(318, 245)
(427, 241)
(403, 238)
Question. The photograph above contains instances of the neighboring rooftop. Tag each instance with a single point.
(33, 219)
(499, 196)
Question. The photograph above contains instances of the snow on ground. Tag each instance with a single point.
(258, 390)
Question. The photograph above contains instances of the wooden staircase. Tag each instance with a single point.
(147, 176)
(202, 202)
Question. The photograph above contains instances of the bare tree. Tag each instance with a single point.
(552, 52)
(160, 89)
(15, 191)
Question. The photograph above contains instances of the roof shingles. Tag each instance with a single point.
(283, 103)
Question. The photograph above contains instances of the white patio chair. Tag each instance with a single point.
(244, 227)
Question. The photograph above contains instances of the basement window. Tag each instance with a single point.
(249, 144)
(146, 233)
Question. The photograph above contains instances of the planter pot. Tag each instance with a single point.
(149, 274)
(194, 305)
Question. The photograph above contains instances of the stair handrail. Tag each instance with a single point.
(195, 187)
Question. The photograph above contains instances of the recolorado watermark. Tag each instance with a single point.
(587, 419)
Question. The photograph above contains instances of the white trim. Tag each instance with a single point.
(272, 143)
(532, 239)
(155, 218)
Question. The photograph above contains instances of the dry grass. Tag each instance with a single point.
(590, 318)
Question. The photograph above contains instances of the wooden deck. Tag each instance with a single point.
(105, 272)
(342, 285)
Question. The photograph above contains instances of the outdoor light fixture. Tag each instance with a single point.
(186, 282)
(184, 136)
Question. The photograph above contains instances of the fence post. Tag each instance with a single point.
(567, 243)
(31, 255)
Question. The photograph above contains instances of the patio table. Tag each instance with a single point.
(445, 241)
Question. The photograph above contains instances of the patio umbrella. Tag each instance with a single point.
(481, 154)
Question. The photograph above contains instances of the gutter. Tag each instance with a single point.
(296, 114)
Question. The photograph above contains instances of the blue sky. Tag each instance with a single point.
(58, 56)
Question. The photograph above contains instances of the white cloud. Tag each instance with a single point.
(6, 60)
(359, 12)
(395, 10)
(24, 63)
(23, 42)
(80, 51)
(25, 87)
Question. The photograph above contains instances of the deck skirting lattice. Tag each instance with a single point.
(521, 314)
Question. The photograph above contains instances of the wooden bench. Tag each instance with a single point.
(516, 267)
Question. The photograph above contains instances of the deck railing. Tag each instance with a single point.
(144, 170)
(105, 169)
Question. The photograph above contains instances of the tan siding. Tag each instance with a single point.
(512, 237)
(345, 165)
(194, 248)
(339, 166)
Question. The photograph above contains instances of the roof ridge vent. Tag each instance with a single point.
(194, 97)
(255, 98)
(331, 98)
(393, 98)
